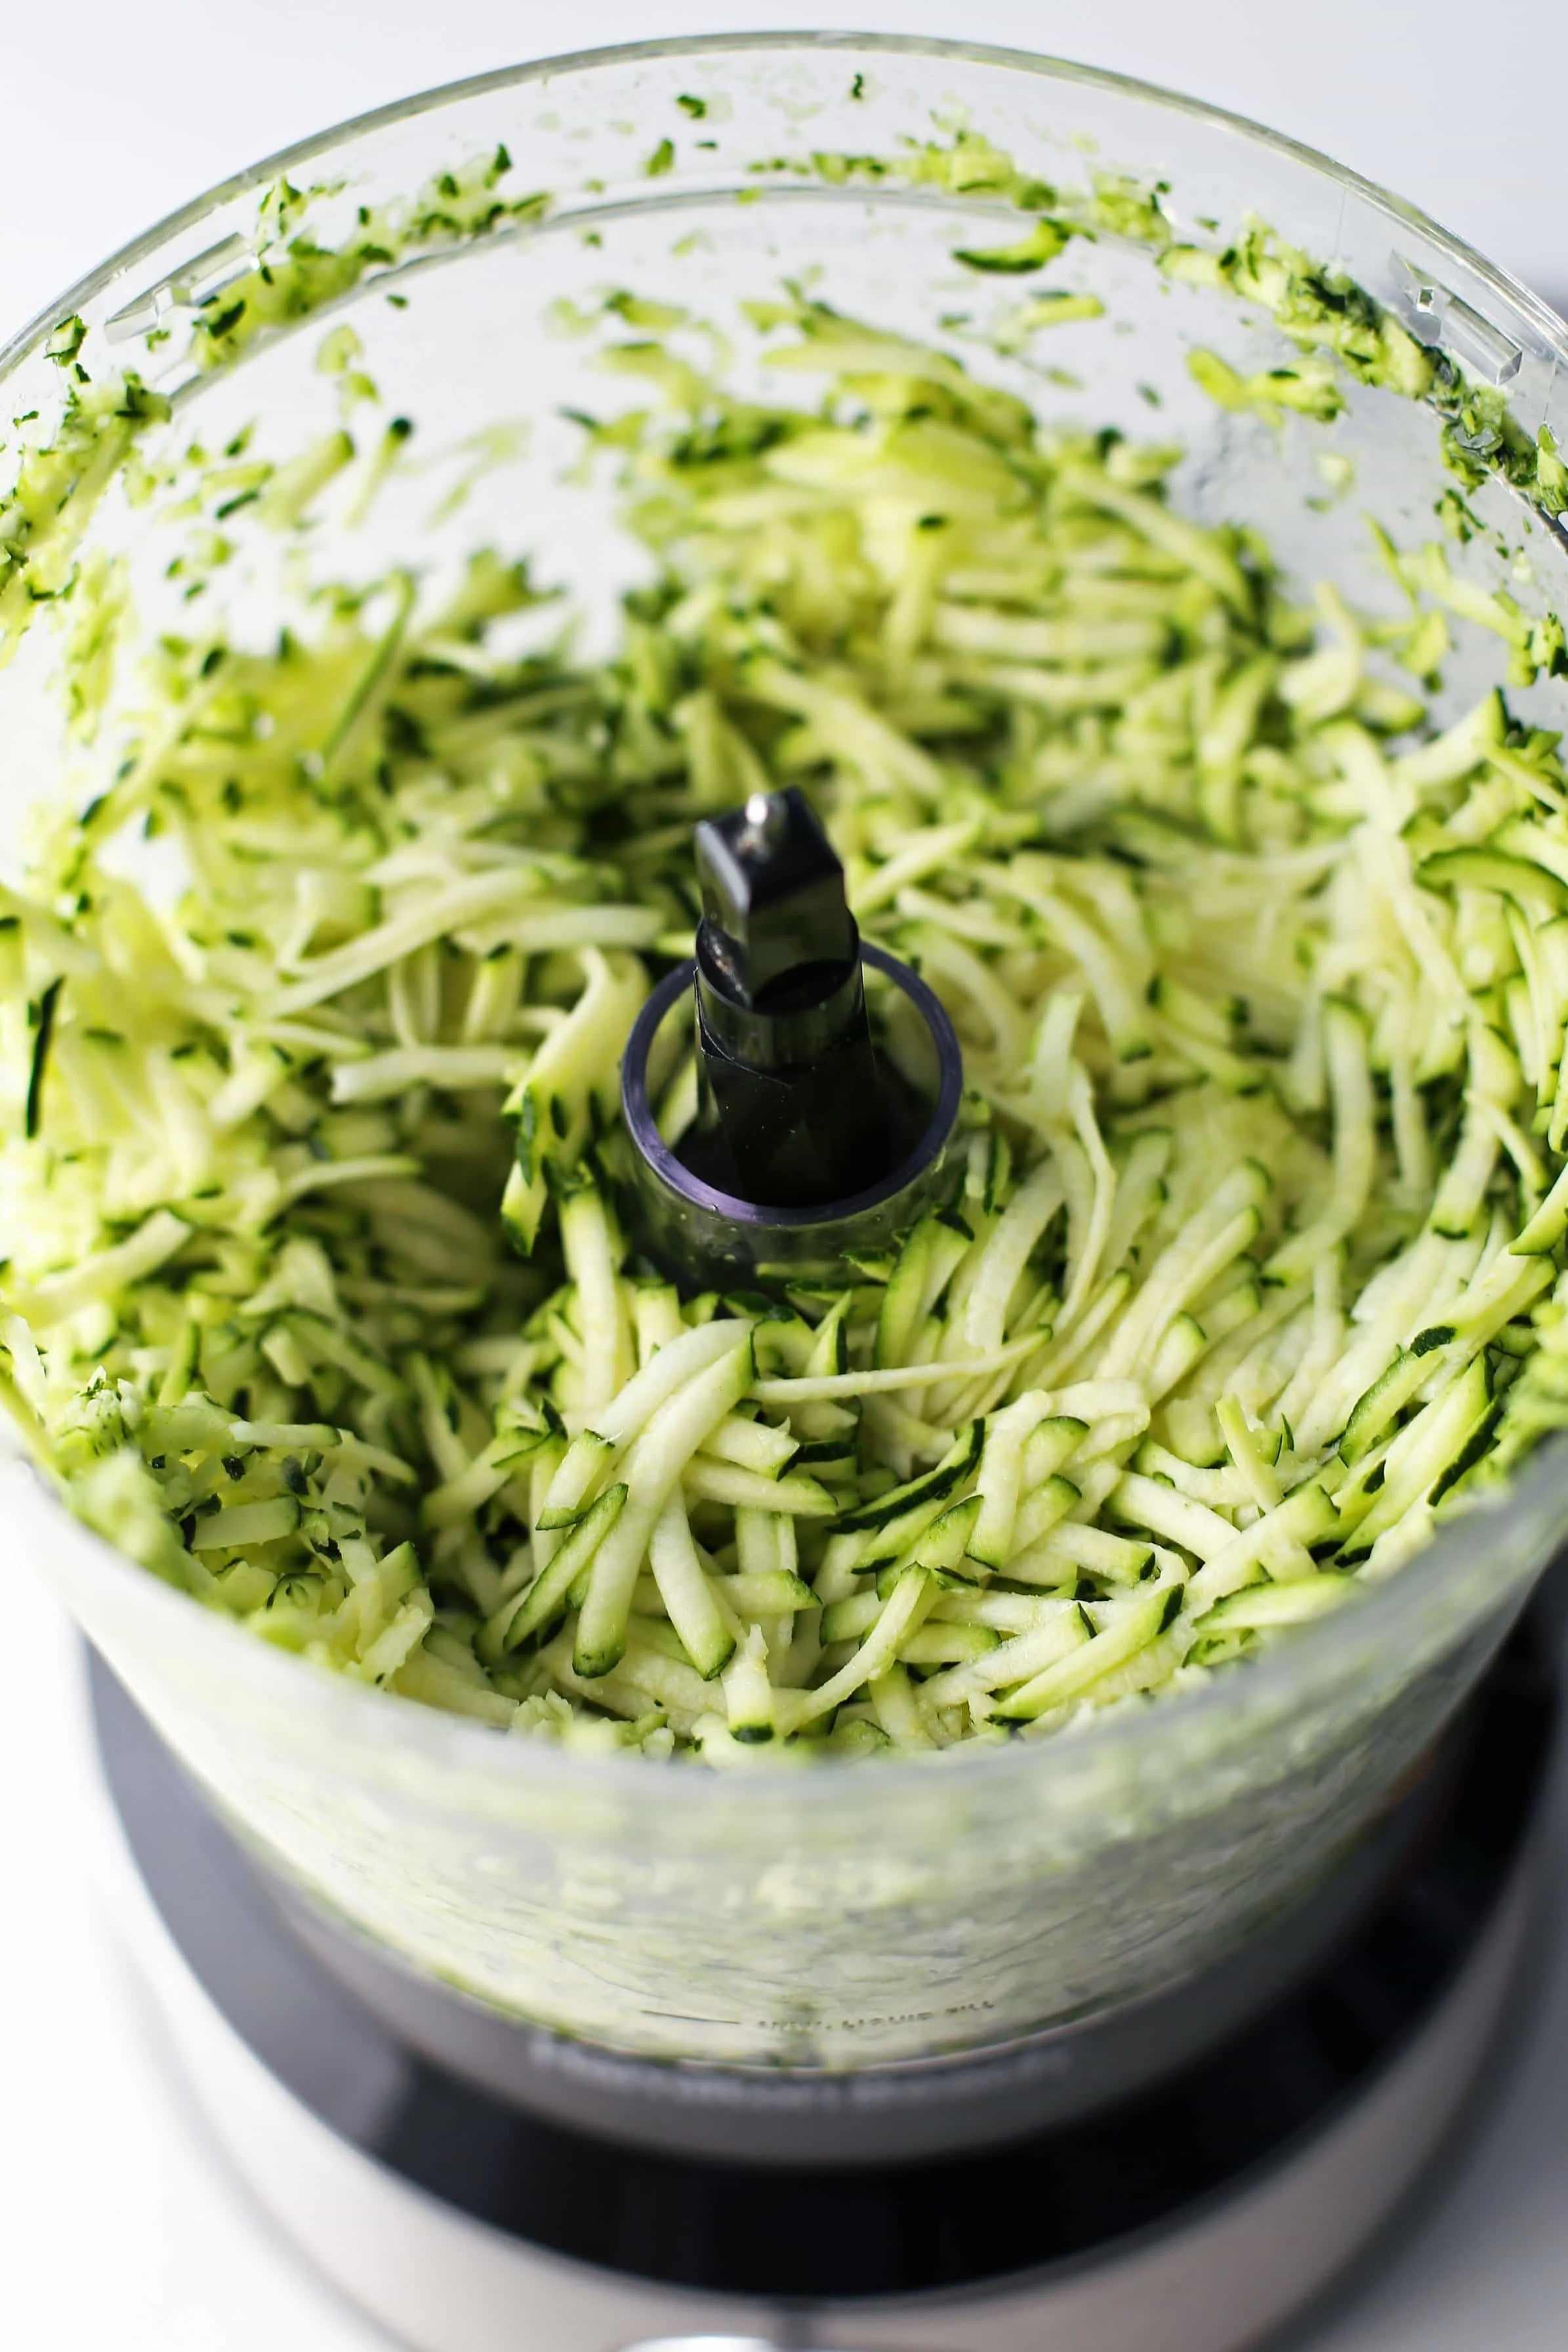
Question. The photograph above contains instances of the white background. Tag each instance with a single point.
(119, 2228)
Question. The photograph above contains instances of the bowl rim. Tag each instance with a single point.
(1309, 1654)
(1034, 65)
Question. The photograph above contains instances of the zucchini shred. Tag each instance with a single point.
(318, 1299)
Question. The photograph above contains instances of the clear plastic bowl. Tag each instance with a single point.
(854, 1913)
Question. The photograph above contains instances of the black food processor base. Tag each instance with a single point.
(1210, 2193)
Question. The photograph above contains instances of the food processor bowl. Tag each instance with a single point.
(836, 1914)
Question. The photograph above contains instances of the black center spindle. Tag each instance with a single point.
(801, 1111)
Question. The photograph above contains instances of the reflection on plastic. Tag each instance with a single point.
(704, 2344)
(712, 2343)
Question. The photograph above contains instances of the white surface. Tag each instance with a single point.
(121, 2227)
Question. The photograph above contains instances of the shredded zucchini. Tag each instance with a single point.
(318, 1296)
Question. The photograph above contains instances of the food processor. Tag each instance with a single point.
(1127, 2038)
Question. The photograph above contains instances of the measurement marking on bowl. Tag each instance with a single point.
(1440, 316)
(196, 281)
